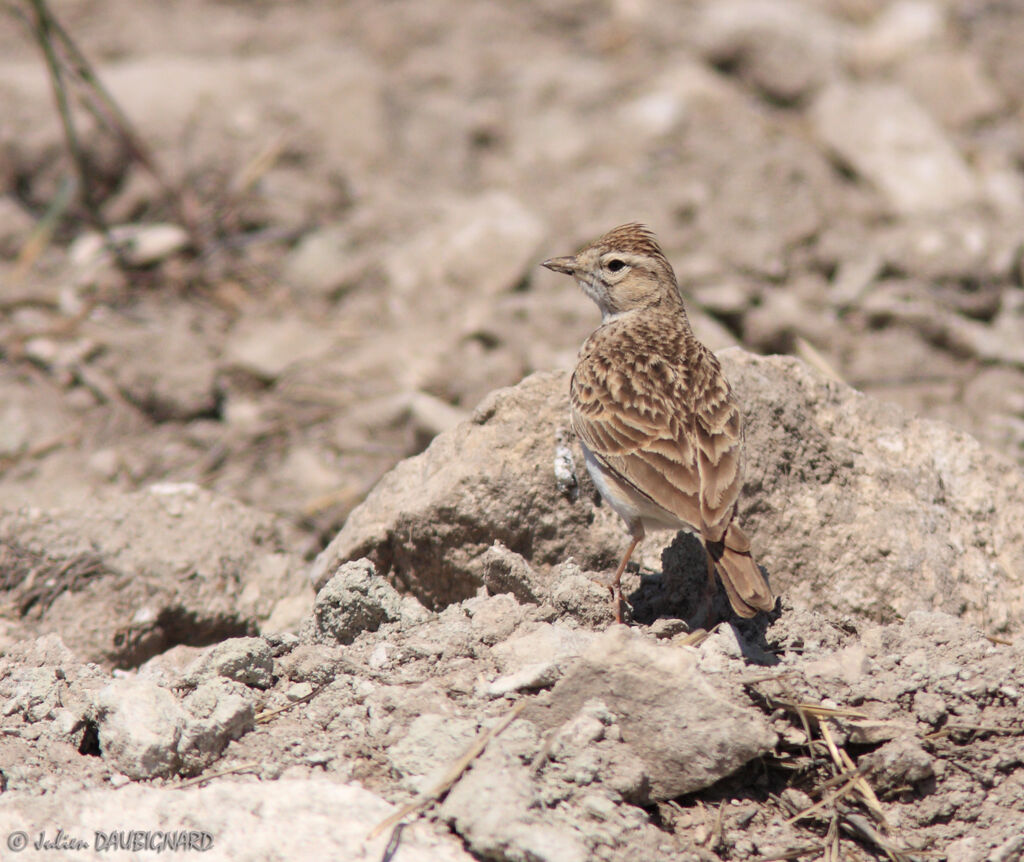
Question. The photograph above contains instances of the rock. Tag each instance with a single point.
(140, 725)
(781, 317)
(964, 850)
(315, 663)
(898, 31)
(267, 347)
(165, 365)
(1010, 850)
(249, 661)
(428, 524)
(848, 665)
(930, 707)
(430, 415)
(493, 808)
(997, 393)
(889, 140)
(686, 733)
(546, 643)
(493, 618)
(46, 691)
(898, 763)
(246, 821)
(786, 51)
(483, 245)
(139, 245)
(218, 711)
(354, 600)
(866, 732)
(427, 750)
(837, 485)
(322, 262)
(580, 597)
(952, 86)
(131, 575)
(532, 677)
(958, 247)
(505, 571)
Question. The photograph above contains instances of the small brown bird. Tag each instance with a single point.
(661, 433)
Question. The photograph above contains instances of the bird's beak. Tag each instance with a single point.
(565, 265)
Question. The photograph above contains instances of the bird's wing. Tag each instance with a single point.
(636, 426)
(718, 433)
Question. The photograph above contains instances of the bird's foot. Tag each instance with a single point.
(615, 590)
(617, 602)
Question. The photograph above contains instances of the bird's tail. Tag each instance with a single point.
(746, 587)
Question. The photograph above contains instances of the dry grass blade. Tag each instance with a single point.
(248, 766)
(832, 853)
(256, 167)
(870, 799)
(833, 749)
(835, 781)
(449, 779)
(818, 711)
(810, 354)
(858, 826)
(815, 710)
(698, 636)
(828, 801)
(845, 763)
(976, 728)
(264, 717)
(42, 233)
(795, 853)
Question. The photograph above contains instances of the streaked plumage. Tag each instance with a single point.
(660, 428)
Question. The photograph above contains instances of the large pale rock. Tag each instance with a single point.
(240, 820)
(140, 725)
(854, 506)
(429, 522)
(857, 507)
(429, 747)
(684, 732)
(495, 809)
(889, 140)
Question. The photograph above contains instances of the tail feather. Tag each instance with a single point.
(744, 584)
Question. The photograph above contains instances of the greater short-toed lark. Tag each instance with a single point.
(660, 429)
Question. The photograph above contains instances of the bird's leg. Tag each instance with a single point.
(707, 601)
(615, 586)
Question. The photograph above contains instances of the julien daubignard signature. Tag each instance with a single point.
(135, 840)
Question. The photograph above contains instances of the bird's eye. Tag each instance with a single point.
(616, 264)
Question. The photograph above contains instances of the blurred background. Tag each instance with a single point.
(328, 218)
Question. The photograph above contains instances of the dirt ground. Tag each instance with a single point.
(342, 262)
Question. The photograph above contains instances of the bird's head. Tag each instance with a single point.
(622, 271)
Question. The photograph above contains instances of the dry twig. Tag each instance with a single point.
(450, 777)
